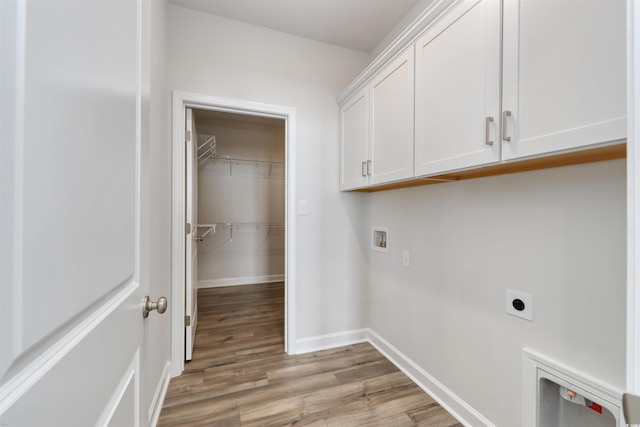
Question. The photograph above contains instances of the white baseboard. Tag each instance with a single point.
(158, 397)
(440, 393)
(236, 281)
(339, 339)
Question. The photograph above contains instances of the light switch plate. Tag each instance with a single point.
(526, 302)
(303, 207)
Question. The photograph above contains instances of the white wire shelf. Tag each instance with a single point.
(208, 150)
(227, 225)
(243, 167)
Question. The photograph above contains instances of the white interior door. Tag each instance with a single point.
(71, 321)
(191, 246)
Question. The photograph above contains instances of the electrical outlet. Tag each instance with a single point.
(406, 259)
(520, 304)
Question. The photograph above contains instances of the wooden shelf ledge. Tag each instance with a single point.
(609, 152)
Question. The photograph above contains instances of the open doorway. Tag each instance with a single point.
(234, 204)
(240, 198)
(245, 230)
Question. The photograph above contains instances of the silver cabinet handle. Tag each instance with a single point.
(487, 131)
(369, 167)
(364, 168)
(149, 306)
(505, 115)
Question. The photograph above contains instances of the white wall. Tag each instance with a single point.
(558, 234)
(218, 57)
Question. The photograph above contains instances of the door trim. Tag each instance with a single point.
(181, 101)
(633, 198)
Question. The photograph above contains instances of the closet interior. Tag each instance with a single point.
(240, 199)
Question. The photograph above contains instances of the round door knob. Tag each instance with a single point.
(149, 306)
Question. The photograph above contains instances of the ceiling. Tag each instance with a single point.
(354, 24)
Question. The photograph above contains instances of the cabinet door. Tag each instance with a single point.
(391, 149)
(458, 90)
(354, 141)
(564, 75)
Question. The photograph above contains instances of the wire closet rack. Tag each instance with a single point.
(212, 228)
(208, 150)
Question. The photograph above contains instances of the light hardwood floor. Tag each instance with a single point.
(240, 375)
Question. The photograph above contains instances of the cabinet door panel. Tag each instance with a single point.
(564, 74)
(392, 120)
(354, 141)
(457, 87)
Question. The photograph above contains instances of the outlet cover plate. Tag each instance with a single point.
(303, 207)
(406, 259)
(527, 312)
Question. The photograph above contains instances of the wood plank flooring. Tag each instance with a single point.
(241, 376)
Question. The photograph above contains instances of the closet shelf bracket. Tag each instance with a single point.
(211, 229)
(210, 151)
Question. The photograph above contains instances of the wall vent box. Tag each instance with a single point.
(557, 411)
(380, 239)
(556, 395)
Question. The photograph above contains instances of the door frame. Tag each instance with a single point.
(181, 101)
(633, 198)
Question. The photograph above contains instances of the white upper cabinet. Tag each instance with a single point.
(475, 84)
(564, 75)
(376, 141)
(392, 90)
(458, 90)
(354, 141)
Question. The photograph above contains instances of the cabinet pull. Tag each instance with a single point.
(487, 131)
(368, 167)
(505, 115)
(364, 168)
